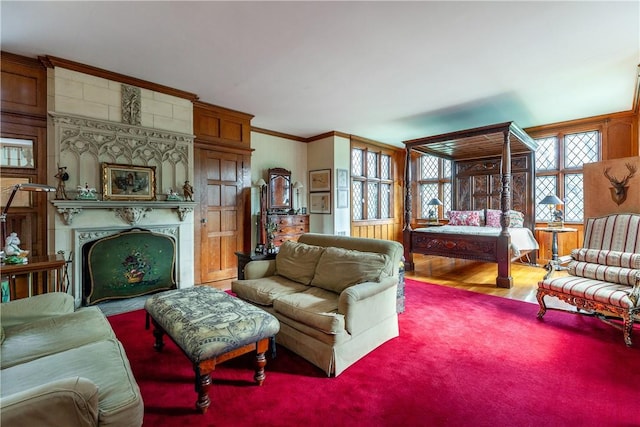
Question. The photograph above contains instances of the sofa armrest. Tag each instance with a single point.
(259, 269)
(68, 402)
(36, 308)
(366, 304)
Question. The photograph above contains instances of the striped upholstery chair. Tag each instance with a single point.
(604, 275)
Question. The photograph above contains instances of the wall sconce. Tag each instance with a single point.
(555, 217)
(297, 185)
(435, 202)
(16, 188)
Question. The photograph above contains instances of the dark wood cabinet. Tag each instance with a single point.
(288, 227)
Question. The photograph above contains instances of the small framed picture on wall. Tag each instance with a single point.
(320, 180)
(320, 203)
(342, 178)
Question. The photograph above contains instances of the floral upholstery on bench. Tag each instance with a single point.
(604, 275)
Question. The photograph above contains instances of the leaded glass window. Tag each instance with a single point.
(559, 162)
(371, 184)
(434, 182)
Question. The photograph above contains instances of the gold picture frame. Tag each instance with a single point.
(128, 182)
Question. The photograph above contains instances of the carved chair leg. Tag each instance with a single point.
(543, 308)
(627, 328)
(203, 383)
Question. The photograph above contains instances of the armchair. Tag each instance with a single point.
(603, 275)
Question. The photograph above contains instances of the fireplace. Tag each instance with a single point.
(127, 264)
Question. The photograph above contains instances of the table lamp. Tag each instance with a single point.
(19, 187)
(260, 223)
(552, 200)
(435, 202)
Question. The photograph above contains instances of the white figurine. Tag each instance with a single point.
(12, 245)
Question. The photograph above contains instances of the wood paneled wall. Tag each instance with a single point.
(24, 116)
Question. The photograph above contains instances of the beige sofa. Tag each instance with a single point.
(335, 296)
(61, 367)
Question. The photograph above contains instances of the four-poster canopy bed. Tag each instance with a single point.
(492, 169)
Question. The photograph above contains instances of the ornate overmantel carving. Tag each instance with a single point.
(128, 211)
(109, 141)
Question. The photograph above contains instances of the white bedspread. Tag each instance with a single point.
(522, 239)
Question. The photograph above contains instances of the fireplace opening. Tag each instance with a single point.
(128, 264)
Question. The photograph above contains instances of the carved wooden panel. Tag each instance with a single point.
(221, 126)
(24, 85)
(478, 185)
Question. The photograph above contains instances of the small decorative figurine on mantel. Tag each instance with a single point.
(172, 196)
(62, 176)
(86, 193)
(187, 190)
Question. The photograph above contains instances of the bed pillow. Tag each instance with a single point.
(471, 218)
(516, 219)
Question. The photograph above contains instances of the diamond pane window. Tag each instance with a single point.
(545, 185)
(446, 171)
(581, 148)
(428, 167)
(547, 154)
(446, 197)
(356, 162)
(357, 199)
(573, 198)
(427, 192)
(385, 166)
(385, 200)
(372, 164)
(372, 200)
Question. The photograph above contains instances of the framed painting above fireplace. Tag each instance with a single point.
(128, 182)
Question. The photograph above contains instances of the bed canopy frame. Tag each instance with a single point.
(493, 167)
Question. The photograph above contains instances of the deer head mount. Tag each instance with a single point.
(619, 189)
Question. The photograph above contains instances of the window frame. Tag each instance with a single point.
(562, 170)
(441, 180)
(365, 180)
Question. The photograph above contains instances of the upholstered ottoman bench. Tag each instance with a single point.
(211, 326)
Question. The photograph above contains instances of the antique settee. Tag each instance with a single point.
(63, 367)
(335, 296)
(604, 275)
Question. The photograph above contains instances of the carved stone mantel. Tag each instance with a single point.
(128, 211)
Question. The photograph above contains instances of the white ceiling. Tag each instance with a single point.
(388, 71)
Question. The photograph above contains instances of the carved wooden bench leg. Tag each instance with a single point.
(203, 383)
(543, 307)
(158, 333)
(261, 360)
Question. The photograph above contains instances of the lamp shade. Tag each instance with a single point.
(434, 202)
(551, 199)
(297, 185)
(261, 183)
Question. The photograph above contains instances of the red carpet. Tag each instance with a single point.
(462, 359)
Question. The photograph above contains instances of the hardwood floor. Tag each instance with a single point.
(481, 277)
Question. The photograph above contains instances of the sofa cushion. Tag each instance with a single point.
(297, 261)
(314, 307)
(624, 276)
(611, 258)
(591, 289)
(340, 268)
(264, 290)
(32, 340)
(104, 363)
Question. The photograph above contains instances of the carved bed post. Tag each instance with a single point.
(406, 231)
(504, 279)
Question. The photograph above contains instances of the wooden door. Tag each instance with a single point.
(220, 216)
